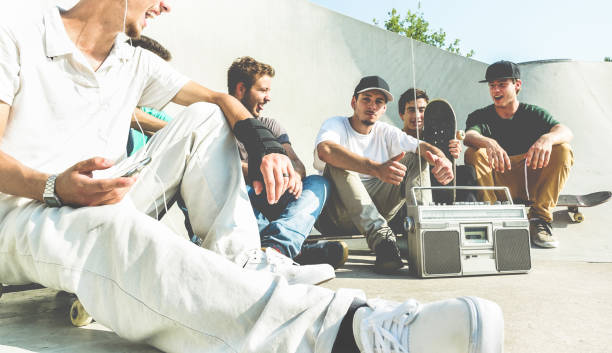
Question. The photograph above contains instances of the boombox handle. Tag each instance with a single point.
(504, 188)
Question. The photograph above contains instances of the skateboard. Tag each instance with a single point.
(440, 126)
(77, 313)
(573, 202)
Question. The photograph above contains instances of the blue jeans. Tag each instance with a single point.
(285, 225)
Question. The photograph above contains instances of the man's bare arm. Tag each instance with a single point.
(340, 157)
(149, 124)
(193, 92)
(295, 160)
(476, 140)
(559, 134)
(442, 167)
(391, 171)
(497, 156)
(74, 186)
(427, 147)
(538, 155)
(15, 178)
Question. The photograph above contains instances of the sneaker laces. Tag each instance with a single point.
(542, 226)
(386, 329)
(276, 258)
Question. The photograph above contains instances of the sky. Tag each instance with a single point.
(518, 30)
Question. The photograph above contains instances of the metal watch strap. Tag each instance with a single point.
(49, 195)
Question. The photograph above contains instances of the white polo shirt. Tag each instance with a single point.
(63, 112)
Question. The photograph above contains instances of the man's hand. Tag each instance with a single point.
(498, 158)
(278, 175)
(538, 155)
(442, 168)
(76, 187)
(454, 147)
(392, 171)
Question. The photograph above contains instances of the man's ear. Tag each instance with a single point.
(353, 102)
(518, 85)
(240, 90)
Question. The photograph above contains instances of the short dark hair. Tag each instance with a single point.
(152, 45)
(246, 70)
(408, 96)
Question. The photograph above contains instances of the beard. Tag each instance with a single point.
(247, 102)
(132, 30)
(367, 122)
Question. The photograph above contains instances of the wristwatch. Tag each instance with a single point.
(49, 195)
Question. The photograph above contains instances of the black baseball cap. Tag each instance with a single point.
(370, 83)
(502, 69)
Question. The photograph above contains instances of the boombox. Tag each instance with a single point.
(467, 238)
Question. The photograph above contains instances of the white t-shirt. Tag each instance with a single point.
(63, 112)
(382, 143)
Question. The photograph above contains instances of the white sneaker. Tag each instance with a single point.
(275, 262)
(466, 325)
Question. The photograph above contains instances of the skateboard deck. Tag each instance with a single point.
(574, 202)
(77, 314)
(440, 126)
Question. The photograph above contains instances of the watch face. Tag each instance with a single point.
(52, 202)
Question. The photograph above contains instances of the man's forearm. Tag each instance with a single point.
(560, 134)
(299, 168)
(146, 122)
(340, 157)
(193, 92)
(426, 147)
(476, 140)
(19, 180)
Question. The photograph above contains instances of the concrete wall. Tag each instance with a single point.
(319, 56)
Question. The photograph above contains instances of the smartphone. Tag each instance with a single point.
(137, 167)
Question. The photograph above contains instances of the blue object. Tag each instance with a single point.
(285, 225)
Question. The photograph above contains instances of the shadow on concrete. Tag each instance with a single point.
(561, 219)
(43, 314)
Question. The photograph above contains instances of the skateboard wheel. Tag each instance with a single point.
(460, 135)
(78, 316)
(578, 217)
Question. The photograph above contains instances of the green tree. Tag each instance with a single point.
(416, 27)
(608, 59)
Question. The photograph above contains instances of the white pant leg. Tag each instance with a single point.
(197, 153)
(135, 276)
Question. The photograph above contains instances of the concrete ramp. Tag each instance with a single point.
(579, 95)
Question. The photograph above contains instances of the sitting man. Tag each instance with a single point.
(520, 146)
(371, 173)
(285, 225)
(411, 106)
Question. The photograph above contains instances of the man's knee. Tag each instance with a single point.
(474, 155)
(317, 183)
(201, 114)
(562, 154)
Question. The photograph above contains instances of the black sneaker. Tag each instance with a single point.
(541, 234)
(333, 253)
(388, 259)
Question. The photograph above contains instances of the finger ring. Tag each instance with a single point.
(285, 175)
